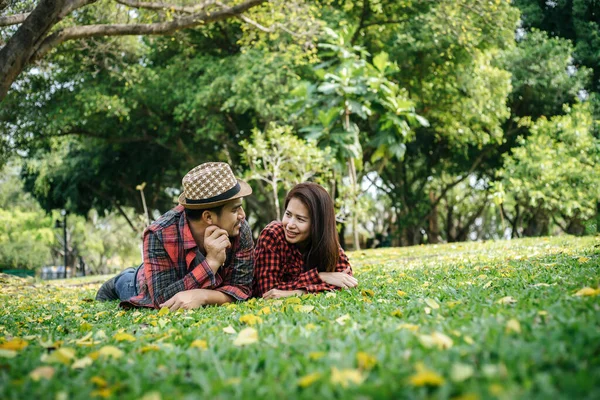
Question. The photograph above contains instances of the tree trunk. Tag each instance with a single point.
(537, 225)
(17, 52)
(354, 184)
(341, 236)
(433, 235)
(275, 193)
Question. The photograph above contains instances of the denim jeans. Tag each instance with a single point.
(126, 283)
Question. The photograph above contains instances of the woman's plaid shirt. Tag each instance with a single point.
(173, 263)
(279, 265)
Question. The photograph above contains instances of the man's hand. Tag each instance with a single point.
(187, 299)
(195, 298)
(340, 279)
(216, 242)
(277, 294)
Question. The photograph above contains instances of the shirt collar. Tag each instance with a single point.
(188, 238)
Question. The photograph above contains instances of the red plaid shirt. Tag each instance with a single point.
(173, 263)
(280, 265)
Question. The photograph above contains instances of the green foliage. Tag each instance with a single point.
(543, 75)
(557, 168)
(479, 318)
(279, 159)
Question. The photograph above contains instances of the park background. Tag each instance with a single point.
(427, 121)
(464, 122)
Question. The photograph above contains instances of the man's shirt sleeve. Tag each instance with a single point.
(162, 275)
(239, 283)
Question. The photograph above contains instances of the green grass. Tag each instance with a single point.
(544, 345)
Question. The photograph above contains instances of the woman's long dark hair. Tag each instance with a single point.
(323, 247)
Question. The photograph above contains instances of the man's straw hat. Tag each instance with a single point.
(210, 185)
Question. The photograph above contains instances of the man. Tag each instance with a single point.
(198, 253)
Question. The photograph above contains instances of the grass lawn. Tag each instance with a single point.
(506, 320)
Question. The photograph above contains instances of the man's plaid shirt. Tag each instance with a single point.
(173, 263)
(278, 264)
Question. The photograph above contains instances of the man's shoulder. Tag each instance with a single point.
(169, 220)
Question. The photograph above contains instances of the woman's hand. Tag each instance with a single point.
(277, 294)
(340, 279)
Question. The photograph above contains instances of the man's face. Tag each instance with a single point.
(231, 217)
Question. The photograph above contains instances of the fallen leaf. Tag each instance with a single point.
(8, 353)
(437, 339)
(330, 294)
(461, 372)
(365, 361)
(345, 377)
(425, 377)
(343, 319)
(229, 330)
(304, 309)
(15, 344)
(150, 347)
(250, 319)
(45, 372)
(401, 293)
(151, 396)
(163, 311)
(246, 336)
(123, 336)
(367, 292)
(410, 327)
(82, 363)
(507, 300)
(432, 303)
(396, 313)
(64, 355)
(264, 311)
(309, 379)
(85, 326)
(587, 291)
(99, 382)
(110, 351)
(316, 355)
(310, 326)
(199, 344)
(513, 325)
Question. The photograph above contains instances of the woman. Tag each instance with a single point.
(301, 254)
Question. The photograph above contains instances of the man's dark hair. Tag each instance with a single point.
(196, 214)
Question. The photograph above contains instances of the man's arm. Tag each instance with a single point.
(196, 298)
(238, 284)
(161, 273)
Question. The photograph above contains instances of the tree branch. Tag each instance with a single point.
(159, 28)
(14, 19)
(166, 6)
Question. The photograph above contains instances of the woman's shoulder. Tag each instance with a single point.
(272, 232)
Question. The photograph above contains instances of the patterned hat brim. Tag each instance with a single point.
(245, 190)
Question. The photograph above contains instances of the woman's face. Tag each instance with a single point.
(296, 222)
